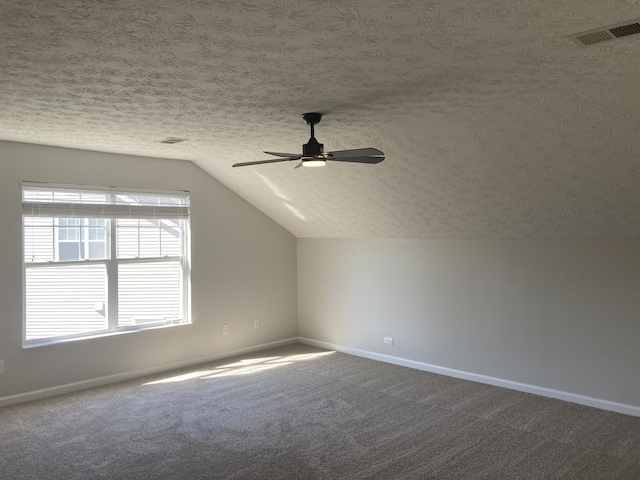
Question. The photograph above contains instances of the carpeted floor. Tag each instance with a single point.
(299, 412)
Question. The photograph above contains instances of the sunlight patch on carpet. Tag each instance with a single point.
(243, 367)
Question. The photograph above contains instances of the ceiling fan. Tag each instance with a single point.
(313, 154)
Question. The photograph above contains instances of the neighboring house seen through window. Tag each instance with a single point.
(101, 260)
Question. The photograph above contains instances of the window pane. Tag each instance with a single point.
(149, 238)
(67, 196)
(65, 300)
(149, 292)
(127, 240)
(38, 239)
(93, 198)
(98, 229)
(79, 239)
(68, 230)
(40, 195)
(171, 238)
(69, 251)
(97, 250)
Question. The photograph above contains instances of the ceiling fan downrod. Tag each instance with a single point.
(312, 148)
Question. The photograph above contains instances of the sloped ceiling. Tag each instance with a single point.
(495, 125)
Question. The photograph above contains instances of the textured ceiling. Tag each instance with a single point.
(495, 125)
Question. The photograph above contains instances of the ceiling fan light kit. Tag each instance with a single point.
(314, 162)
(313, 154)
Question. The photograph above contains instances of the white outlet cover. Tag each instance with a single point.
(225, 329)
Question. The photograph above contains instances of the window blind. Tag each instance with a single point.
(92, 203)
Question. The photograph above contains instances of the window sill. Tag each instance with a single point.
(54, 341)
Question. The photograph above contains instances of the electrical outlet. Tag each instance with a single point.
(1, 366)
(225, 329)
(256, 324)
(388, 340)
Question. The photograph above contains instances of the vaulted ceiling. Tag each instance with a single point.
(495, 124)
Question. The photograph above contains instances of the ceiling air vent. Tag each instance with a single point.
(624, 30)
(172, 140)
(605, 34)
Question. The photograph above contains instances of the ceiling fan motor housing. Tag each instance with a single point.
(313, 148)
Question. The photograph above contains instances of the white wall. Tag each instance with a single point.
(243, 268)
(562, 315)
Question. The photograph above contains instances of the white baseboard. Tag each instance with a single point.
(523, 387)
(121, 377)
(499, 382)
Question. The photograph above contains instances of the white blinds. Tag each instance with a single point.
(81, 202)
(65, 300)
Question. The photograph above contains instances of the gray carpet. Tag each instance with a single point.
(299, 412)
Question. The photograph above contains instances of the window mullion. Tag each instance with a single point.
(112, 276)
(138, 236)
(55, 234)
(84, 238)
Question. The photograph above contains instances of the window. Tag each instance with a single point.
(100, 260)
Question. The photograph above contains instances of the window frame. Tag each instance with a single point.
(111, 260)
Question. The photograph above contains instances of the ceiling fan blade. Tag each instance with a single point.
(358, 155)
(260, 162)
(277, 154)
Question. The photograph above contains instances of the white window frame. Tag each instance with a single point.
(111, 213)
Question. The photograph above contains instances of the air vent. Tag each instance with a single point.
(172, 140)
(625, 30)
(605, 34)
